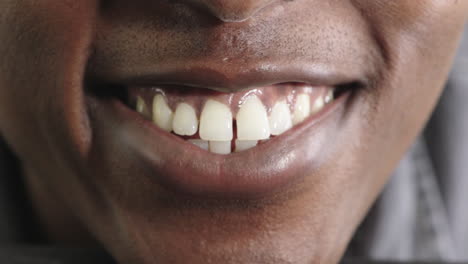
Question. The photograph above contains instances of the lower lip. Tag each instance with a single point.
(178, 166)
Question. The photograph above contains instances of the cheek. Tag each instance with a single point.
(422, 54)
(44, 47)
(418, 48)
(418, 40)
(404, 13)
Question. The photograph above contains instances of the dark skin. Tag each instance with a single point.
(82, 177)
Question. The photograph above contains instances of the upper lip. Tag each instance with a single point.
(232, 78)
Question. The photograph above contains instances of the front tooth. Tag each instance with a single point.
(216, 122)
(162, 114)
(318, 105)
(142, 108)
(242, 145)
(280, 118)
(220, 147)
(302, 108)
(185, 122)
(203, 144)
(252, 120)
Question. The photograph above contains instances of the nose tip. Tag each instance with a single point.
(232, 10)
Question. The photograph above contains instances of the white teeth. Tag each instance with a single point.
(220, 147)
(185, 121)
(318, 105)
(162, 114)
(280, 118)
(203, 144)
(142, 108)
(216, 122)
(140, 105)
(242, 145)
(329, 97)
(252, 120)
(302, 109)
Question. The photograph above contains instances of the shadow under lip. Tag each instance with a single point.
(182, 168)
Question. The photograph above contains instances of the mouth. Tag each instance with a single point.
(221, 143)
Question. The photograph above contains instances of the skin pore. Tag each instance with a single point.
(89, 185)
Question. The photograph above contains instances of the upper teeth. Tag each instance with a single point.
(318, 105)
(252, 120)
(216, 122)
(142, 108)
(329, 97)
(185, 121)
(302, 109)
(280, 118)
(215, 127)
(162, 114)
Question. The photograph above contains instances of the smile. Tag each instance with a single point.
(223, 123)
(239, 143)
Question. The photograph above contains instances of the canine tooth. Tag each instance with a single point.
(216, 122)
(162, 114)
(185, 122)
(203, 144)
(318, 105)
(280, 118)
(252, 120)
(329, 97)
(220, 147)
(142, 108)
(302, 108)
(242, 145)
